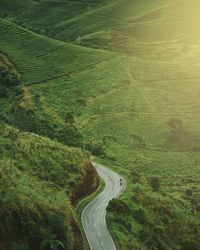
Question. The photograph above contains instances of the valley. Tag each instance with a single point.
(118, 80)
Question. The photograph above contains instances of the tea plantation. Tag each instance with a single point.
(121, 77)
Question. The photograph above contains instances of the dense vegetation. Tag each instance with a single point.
(40, 181)
(135, 107)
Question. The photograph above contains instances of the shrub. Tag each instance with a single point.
(137, 177)
(70, 135)
(189, 244)
(140, 216)
(69, 118)
(155, 183)
(96, 148)
(3, 92)
(8, 76)
(118, 206)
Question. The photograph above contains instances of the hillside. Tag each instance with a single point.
(41, 180)
(132, 100)
(33, 53)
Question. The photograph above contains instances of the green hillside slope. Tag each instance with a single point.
(30, 14)
(136, 108)
(33, 54)
(40, 181)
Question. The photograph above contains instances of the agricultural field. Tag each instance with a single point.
(30, 14)
(125, 76)
(33, 53)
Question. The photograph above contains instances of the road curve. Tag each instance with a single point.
(94, 215)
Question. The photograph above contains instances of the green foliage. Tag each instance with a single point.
(7, 77)
(35, 190)
(155, 183)
(140, 216)
(70, 135)
(19, 246)
(118, 206)
(136, 107)
(40, 58)
(52, 244)
(96, 148)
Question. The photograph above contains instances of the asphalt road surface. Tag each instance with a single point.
(94, 215)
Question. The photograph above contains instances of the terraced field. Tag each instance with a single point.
(33, 53)
(137, 105)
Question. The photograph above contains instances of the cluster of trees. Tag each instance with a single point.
(8, 76)
(35, 190)
(9, 79)
(35, 119)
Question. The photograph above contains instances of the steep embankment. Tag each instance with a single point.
(40, 181)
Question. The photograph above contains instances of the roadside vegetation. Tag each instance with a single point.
(41, 183)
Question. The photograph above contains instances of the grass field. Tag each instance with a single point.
(135, 97)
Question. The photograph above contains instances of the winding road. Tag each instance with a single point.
(94, 215)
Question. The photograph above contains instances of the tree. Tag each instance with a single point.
(118, 206)
(155, 183)
(8, 76)
(140, 215)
